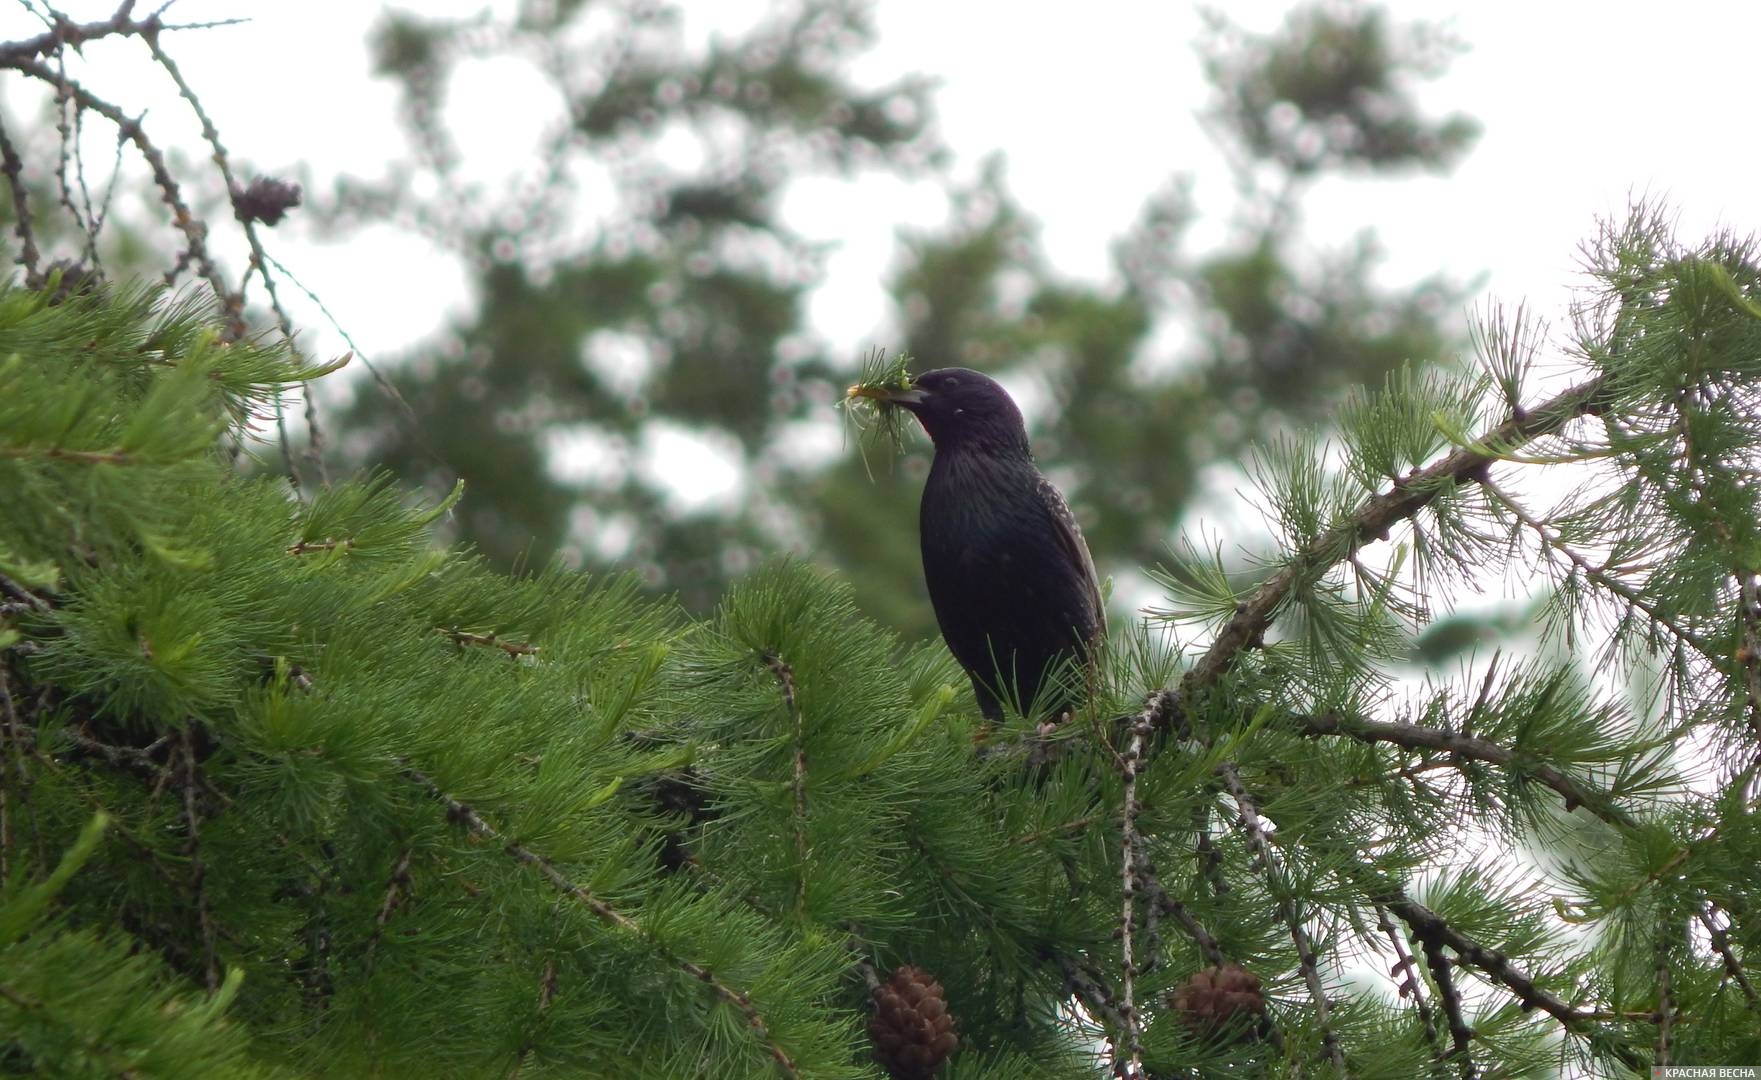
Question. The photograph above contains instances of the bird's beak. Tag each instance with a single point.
(888, 395)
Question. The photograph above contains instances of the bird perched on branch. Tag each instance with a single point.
(1011, 580)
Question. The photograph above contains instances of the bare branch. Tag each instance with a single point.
(13, 168)
(129, 128)
(260, 261)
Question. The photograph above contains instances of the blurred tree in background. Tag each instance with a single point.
(682, 307)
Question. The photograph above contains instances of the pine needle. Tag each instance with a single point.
(875, 419)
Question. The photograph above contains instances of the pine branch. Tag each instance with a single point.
(13, 169)
(1460, 1034)
(1132, 843)
(1406, 967)
(1466, 748)
(1597, 575)
(785, 676)
(22, 596)
(198, 874)
(1721, 946)
(142, 759)
(1432, 930)
(11, 736)
(1084, 983)
(547, 987)
(1206, 942)
(397, 891)
(1307, 962)
(63, 32)
(259, 260)
(1374, 519)
(1210, 860)
(464, 814)
(1664, 1015)
(129, 128)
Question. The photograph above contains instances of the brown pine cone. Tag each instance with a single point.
(912, 1030)
(266, 199)
(1214, 997)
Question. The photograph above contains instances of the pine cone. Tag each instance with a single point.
(912, 1030)
(1214, 997)
(265, 200)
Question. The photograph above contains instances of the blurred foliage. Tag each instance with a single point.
(680, 308)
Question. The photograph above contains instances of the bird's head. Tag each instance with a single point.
(958, 407)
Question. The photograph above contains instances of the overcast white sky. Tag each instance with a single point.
(1581, 103)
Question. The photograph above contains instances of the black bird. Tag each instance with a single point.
(1009, 575)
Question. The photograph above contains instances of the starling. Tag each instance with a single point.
(1009, 575)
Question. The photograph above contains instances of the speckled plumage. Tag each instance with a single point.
(1009, 575)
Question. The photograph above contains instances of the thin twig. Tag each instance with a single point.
(1132, 845)
(1449, 997)
(259, 260)
(547, 987)
(1469, 748)
(129, 128)
(465, 815)
(385, 385)
(1406, 968)
(192, 816)
(13, 169)
(785, 676)
(1595, 574)
(397, 891)
(1664, 1015)
(1721, 945)
(305, 546)
(514, 649)
(82, 457)
(64, 32)
(1307, 962)
(1374, 519)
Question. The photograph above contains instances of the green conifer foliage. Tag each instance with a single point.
(290, 791)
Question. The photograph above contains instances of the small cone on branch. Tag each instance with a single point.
(1211, 1001)
(911, 1028)
(266, 199)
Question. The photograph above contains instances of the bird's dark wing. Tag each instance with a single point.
(1067, 535)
